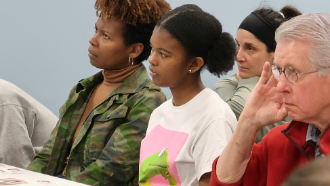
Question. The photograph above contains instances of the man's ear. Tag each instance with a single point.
(136, 50)
(196, 64)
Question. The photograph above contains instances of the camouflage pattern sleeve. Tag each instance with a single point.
(118, 163)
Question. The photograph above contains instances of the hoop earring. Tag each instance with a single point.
(130, 61)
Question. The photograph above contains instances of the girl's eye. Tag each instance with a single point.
(163, 55)
(105, 36)
(95, 29)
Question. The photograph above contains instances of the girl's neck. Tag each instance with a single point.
(118, 76)
(187, 91)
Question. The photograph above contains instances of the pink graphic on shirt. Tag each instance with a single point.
(156, 141)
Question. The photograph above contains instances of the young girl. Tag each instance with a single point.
(256, 45)
(97, 138)
(187, 132)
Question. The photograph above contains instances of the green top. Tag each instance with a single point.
(106, 150)
(235, 93)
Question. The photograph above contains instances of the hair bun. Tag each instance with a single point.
(221, 56)
(290, 12)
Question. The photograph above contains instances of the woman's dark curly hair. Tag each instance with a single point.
(276, 18)
(201, 35)
(140, 17)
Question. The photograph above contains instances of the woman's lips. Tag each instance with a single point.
(242, 68)
(91, 55)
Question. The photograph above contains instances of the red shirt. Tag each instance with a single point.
(280, 152)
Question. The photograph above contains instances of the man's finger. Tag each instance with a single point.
(272, 81)
(264, 74)
(282, 112)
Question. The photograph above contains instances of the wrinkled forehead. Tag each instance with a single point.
(292, 53)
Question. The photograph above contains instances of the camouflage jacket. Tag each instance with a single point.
(106, 150)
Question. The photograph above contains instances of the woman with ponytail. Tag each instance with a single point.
(187, 132)
(256, 44)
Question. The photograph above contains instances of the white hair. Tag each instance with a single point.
(313, 28)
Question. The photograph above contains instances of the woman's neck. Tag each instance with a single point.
(118, 76)
(187, 91)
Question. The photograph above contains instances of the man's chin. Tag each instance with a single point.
(294, 116)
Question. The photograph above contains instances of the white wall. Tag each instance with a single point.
(44, 43)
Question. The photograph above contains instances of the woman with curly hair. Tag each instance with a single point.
(187, 132)
(97, 138)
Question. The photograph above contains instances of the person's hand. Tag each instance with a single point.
(237, 75)
(264, 105)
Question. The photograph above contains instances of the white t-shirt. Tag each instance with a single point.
(183, 141)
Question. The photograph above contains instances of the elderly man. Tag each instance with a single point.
(25, 125)
(300, 87)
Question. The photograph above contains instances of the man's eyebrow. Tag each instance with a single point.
(274, 63)
(286, 65)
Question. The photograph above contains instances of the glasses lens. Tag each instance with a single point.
(290, 74)
(276, 72)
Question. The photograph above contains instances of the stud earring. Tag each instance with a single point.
(190, 70)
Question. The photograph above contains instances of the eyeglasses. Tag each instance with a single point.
(290, 74)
